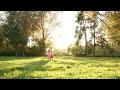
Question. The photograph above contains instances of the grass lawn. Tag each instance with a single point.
(60, 68)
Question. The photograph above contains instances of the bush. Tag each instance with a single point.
(33, 51)
(58, 52)
(8, 52)
(77, 50)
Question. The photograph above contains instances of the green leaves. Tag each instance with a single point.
(113, 22)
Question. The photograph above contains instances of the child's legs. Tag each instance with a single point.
(52, 57)
(48, 58)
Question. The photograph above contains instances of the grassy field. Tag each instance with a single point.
(60, 68)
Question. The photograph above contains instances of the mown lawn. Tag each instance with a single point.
(60, 68)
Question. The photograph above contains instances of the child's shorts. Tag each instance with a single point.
(51, 56)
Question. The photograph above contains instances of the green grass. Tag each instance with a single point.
(60, 68)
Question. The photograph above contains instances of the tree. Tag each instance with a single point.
(102, 43)
(16, 28)
(90, 47)
(26, 20)
(113, 32)
(82, 21)
(87, 20)
(20, 25)
(93, 24)
(45, 22)
(12, 30)
(69, 49)
(3, 40)
(76, 50)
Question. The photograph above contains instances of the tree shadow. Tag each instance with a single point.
(12, 58)
(33, 66)
(38, 66)
(117, 77)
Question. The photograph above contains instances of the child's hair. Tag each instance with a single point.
(48, 50)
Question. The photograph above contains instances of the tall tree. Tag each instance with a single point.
(93, 25)
(102, 41)
(113, 32)
(81, 29)
(45, 22)
(87, 20)
(16, 28)
(25, 22)
(12, 30)
(1, 36)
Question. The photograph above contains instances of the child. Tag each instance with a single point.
(50, 55)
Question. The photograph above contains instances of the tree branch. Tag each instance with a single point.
(105, 23)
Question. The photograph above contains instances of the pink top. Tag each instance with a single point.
(50, 54)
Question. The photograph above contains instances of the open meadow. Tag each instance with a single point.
(59, 68)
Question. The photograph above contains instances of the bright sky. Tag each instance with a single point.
(64, 35)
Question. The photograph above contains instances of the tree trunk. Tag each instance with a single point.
(84, 24)
(117, 51)
(104, 52)
(68, 53)
(42, 46)
(94, 43)
(86, 43)
(23, 51)
(42, 41)
(7, 46)
(16, 51)
(0, 45)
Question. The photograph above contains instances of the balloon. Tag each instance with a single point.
(47, 49)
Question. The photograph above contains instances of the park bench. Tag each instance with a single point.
(80, 55)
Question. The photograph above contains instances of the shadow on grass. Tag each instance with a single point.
(10, 58)
(117, 77)
(34, 66)
(38, 66)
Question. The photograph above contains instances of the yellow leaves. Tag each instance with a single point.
(91, 14)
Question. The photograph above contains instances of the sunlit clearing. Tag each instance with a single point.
(64, 35)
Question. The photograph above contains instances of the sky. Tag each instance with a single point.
(64, 36)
